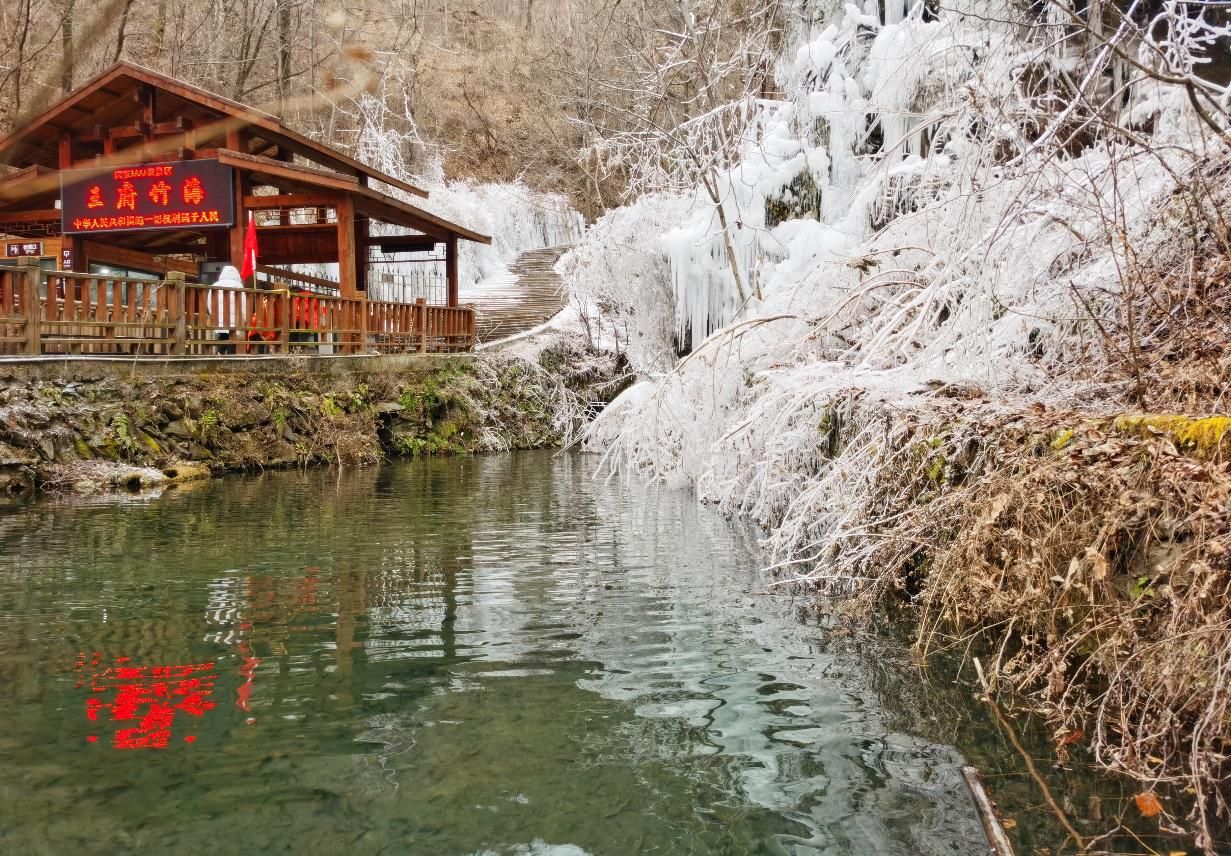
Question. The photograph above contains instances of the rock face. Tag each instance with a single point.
(68, 434)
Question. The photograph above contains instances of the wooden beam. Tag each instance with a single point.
(403, 243)
(42, 215)
(66, 152)
(290, 172)
(348, 277)
(291, 200)
(130, 258)
(298, 277)
(299, 229)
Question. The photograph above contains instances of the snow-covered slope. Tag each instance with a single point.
(968, 226)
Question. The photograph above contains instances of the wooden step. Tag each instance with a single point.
(530, 296)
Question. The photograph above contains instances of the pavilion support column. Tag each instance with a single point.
(348, 267)
(362, 252)
(236, 232)
(237, 141)
(451, 268)
(74, 247)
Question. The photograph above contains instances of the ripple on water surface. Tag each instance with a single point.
(492, 655)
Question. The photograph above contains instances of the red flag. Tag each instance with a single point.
(249, 268)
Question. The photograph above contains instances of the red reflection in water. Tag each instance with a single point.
(149, 696)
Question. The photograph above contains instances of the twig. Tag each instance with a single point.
(992, 827)
(1012, 735)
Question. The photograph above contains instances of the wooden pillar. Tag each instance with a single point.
(218, 244)
(28, 278)
(451, 268)
(236, 232)
(72, 243)
(348, 266)
(237, 140)
(179, 318)
(362, 252)
(75, 245)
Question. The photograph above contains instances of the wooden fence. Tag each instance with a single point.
(45, 312)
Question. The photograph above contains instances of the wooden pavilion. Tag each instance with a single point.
(137, 178)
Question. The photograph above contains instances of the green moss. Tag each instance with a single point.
(208, 425)
(82, 448)
(1201, 438)
(150, 443)
(936, 470)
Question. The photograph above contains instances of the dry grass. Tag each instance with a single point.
(1087, 561)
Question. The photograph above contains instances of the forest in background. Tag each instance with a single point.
(484, 91)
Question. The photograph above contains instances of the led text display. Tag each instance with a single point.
(179, 195)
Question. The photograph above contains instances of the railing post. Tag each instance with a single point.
(421, 312)
(29, 273)
(363, 323)
(284, 316)
(179, 340)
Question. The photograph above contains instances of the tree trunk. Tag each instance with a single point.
(122, 33)
(711, 187)
(160, 32)
(66, 47)
(21, 60)
(284, 54)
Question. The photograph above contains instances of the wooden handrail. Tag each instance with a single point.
(74, 313)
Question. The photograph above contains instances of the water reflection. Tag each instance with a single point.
(481, 655)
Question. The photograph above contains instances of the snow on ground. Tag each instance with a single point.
(964, 249)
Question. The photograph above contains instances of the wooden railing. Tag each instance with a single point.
(70, 313)
(420, 326)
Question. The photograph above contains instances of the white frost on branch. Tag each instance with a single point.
(980, 175)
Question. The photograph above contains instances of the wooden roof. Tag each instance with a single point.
(114, 99)
(111, 99)
(373, 203)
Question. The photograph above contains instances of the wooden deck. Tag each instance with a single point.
(69, 313)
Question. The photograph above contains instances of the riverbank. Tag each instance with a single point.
(94, 425)
(1085, 561)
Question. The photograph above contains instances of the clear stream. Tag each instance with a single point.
(465, 656)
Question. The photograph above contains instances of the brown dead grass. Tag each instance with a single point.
(1087, 562)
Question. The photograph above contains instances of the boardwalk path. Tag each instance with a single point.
(525, 298)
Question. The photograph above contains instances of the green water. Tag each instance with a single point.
(487, 655)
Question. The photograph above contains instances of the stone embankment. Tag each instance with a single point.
(86, 425)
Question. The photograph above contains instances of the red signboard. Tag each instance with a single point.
(196, 194)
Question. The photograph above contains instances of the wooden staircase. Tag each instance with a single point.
(528, 296)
